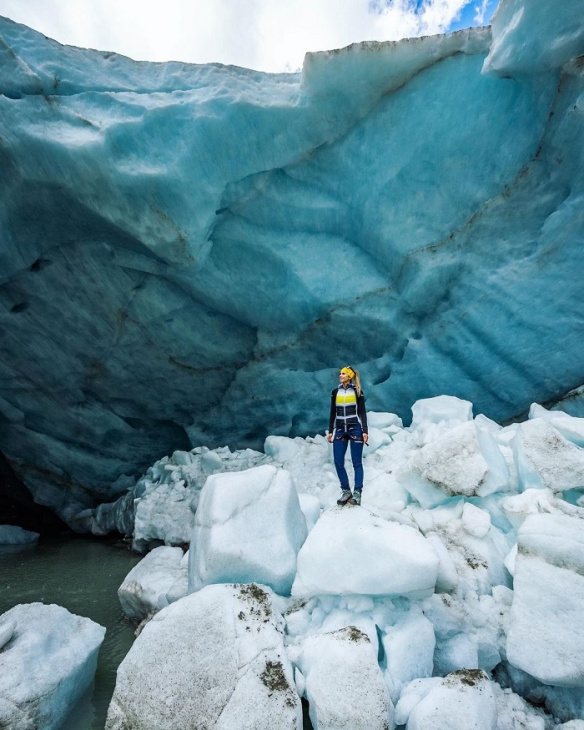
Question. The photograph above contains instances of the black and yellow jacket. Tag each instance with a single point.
(347, 408)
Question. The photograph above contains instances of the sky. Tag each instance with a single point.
(267, 35)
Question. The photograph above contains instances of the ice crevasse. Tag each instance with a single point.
(453, 596)
(175, 241)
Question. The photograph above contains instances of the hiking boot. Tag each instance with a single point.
(356, 498)
(345, 497)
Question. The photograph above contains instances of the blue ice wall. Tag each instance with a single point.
(187, 253)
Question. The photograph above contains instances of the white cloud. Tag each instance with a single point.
(269, 35)
(481, 11)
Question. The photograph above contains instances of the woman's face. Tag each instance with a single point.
(344, 378)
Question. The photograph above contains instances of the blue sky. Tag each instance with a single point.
(268, 35)
(467, 16)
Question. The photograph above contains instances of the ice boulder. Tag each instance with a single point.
(387, 422)
(309, 462)
(569, 426)
(249, 527)
(546, 629)
(351, 551)
(475, 521)
(343, 682)
(383, 494)
(167, 495)
(478, 559)
(159, 579)
(470, 629)
(531, 501)
(445, 409)
(514, 713)
(13, 535)
(214, 659)
(544, 458)
(463, 700)
(456, 463)
(409, 650)
(47, 662)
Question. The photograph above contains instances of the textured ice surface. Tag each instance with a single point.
(333, 664)
(350, 551)
(513, 713)
(46, 665)
(409, 650)
(158, 580)
(166, 497)
(214, 659)
(450, 465)
(544, 458)
(248, 528)
(143, 203)
(534, 36)
(546, 630)
(463, 700)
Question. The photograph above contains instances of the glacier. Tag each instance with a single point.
(188, 252)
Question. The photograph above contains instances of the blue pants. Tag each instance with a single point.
(354, 435)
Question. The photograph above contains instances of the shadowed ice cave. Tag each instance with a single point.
(188, 252)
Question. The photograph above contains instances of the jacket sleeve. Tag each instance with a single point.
(361, 412)
(333, 411)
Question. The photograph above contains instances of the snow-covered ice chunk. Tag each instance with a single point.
(478, 562)
(464, 699)
(343, 682)
(510, 560)
(514, 713)
(470, 630)
(378, 419)
(248, 528)
(309, 461)
(168, 494)
(532, 36)
(544, 458)
(447, 578)
(456, 652)
(413, 694)
(383, 494)
(327, 613)
(13, 535)
(310, 506)
(159, 579)
(531, 501)
(475, 521)
(546, 628)
(447, 408)
(214, 659)
(351, 551)
(377, 439)
(46, 665)
(571, 427)
(451, 465)
(409, 650)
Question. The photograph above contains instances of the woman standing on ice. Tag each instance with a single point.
(348, 423)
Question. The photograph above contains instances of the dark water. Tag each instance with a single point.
(82, 576)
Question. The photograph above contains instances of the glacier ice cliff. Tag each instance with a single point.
(188, 252)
